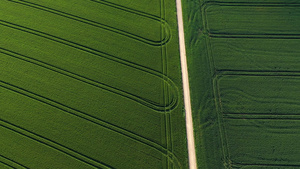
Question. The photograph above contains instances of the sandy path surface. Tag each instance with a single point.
(186, 90)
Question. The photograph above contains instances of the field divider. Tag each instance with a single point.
(57, 146)
(103, 26)
(159, 108)
(92, 119)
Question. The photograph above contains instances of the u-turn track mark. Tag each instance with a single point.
(163, 41)
(92, 119)
(159, 108)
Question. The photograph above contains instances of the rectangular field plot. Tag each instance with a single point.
(270, 96)
(261, 120)
(255, 54)
(252, 19)
(243, 59)
(90, 84)
(263, 143)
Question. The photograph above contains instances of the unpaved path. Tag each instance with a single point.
(186, 90)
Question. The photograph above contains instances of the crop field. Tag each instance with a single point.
(92, 84)
(244, 66)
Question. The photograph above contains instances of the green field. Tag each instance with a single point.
(90, 84)
(244, 70)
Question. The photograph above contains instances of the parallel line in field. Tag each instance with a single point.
(218, 105)
(12, 161)
(6, 164)
(166, 123)
(246, 36)
(130, 10)
(259, 4)
(57, 146)
(260, 99)
(77, 113)
(80, 78)
(265, 165)
(262, 116)
(221, 126)
(259, 114)
(216, 73)
(253, 36)
(173, 88)
(100, 25)
(236, 72)
(167, 29)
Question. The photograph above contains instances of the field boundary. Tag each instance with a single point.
(186, 90)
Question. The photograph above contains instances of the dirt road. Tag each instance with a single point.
(186, 90)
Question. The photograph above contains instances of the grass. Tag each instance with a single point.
(90, 84)
(244, 73)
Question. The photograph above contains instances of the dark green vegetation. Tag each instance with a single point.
(244, 63)
(90, 84)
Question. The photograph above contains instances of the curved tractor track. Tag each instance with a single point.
(165, 25)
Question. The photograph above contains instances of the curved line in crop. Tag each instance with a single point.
(92, 119)
(160, 108)
(167, 31)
